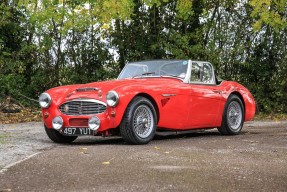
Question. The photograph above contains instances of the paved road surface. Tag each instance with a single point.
(256, 160)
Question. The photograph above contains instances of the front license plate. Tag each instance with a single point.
(73, 131)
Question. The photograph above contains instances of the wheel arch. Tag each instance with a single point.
(127, 126)
(241, 98)
(225, 128)
(152, 100)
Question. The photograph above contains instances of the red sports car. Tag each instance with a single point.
(148, 96)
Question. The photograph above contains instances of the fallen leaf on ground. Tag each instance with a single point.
(168, 152)
(84, 151)
(107, 162)
(25, 115)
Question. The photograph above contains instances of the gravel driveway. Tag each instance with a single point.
(20, 141)
(254, 160)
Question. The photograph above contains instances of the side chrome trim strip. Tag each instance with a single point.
(168, 95)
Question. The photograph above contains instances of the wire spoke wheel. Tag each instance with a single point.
(139, 122)
(143, 121)
(234, 115)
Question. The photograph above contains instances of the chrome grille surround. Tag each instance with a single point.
(83, 107)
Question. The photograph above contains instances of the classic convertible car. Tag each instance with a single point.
(148, 96)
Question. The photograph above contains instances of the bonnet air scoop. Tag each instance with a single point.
(84, 89)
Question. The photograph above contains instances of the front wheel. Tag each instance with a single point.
(58, 137)
(139, 122)
(233, 117)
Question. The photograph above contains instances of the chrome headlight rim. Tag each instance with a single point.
(94, 123)
(42, 102)
(112, 98)
(57, 123)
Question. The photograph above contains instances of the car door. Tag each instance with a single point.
(205, 96)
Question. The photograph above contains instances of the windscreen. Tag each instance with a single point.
(158, 68)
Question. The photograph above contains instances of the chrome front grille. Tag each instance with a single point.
(83, 107)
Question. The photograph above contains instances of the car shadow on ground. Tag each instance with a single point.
(179, 135)
(160, 136)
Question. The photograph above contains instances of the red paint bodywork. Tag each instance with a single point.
(180, 106)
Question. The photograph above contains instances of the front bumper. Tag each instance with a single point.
(79, 121)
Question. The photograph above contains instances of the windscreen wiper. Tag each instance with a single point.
(147, 73)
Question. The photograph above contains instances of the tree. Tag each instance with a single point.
(269, 12)
(11, 65)
(49, 43)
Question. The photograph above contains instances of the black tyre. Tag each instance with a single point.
(233, 116)
(58, 137)
(139, 122)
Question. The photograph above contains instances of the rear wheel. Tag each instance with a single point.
(233, 117)
(139, 122)
(58, 137)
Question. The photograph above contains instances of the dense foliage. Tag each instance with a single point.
(46, 43)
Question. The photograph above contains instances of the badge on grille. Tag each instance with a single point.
(66, 108)
(80, 110)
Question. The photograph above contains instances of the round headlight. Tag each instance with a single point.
(94, 123)
(112, 98)
(57, 123)
(45, 100)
